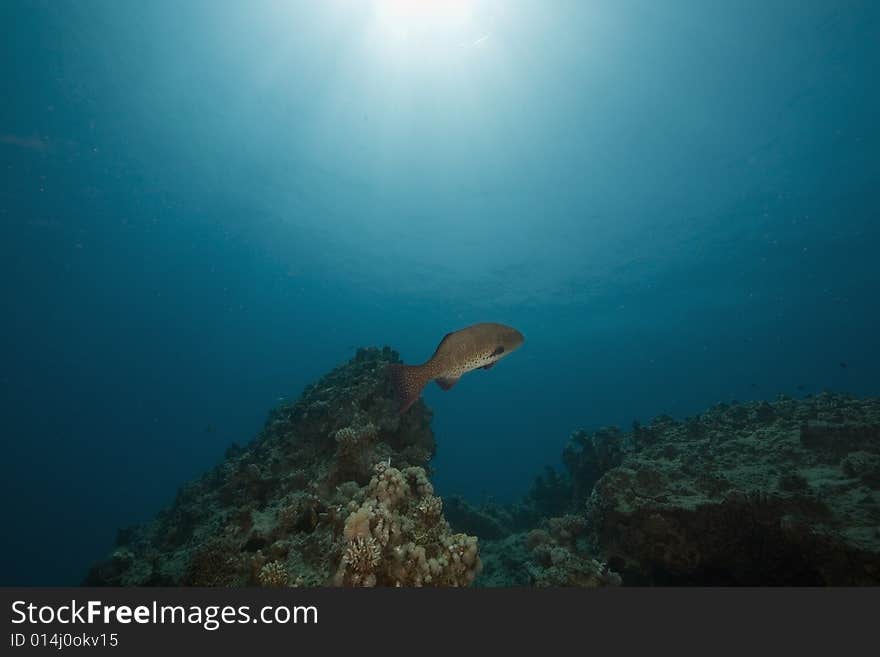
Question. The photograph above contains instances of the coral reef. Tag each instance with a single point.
(556, 554)
(397, 536)
(335, 490)
(757, 493)
(306, 504)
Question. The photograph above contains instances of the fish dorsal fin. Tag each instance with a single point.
(441, 343)
(446, 382)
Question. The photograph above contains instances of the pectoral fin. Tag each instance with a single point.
(446, 382)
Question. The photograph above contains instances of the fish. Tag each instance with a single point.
(479, 346)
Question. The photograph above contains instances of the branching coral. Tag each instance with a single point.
(274, 574)
(398, 537)
(431, 508)
(354, 452)
(362, 556)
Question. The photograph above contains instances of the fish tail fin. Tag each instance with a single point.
(407, 382)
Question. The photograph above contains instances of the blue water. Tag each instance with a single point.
(205, 206)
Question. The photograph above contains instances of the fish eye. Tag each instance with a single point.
(498, 351)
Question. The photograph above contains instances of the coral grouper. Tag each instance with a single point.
(477, 346)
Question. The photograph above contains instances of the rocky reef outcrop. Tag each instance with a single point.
(760, 493)
(334, 490)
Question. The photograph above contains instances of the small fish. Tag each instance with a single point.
(471, 348)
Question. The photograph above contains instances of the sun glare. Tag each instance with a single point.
(405, 18)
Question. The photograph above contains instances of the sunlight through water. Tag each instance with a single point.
(419, 18)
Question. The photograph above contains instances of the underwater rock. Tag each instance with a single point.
(747, 494)
(862, 465)
(284, 510)
(762, 493)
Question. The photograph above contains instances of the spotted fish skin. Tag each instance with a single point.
(478, 346)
